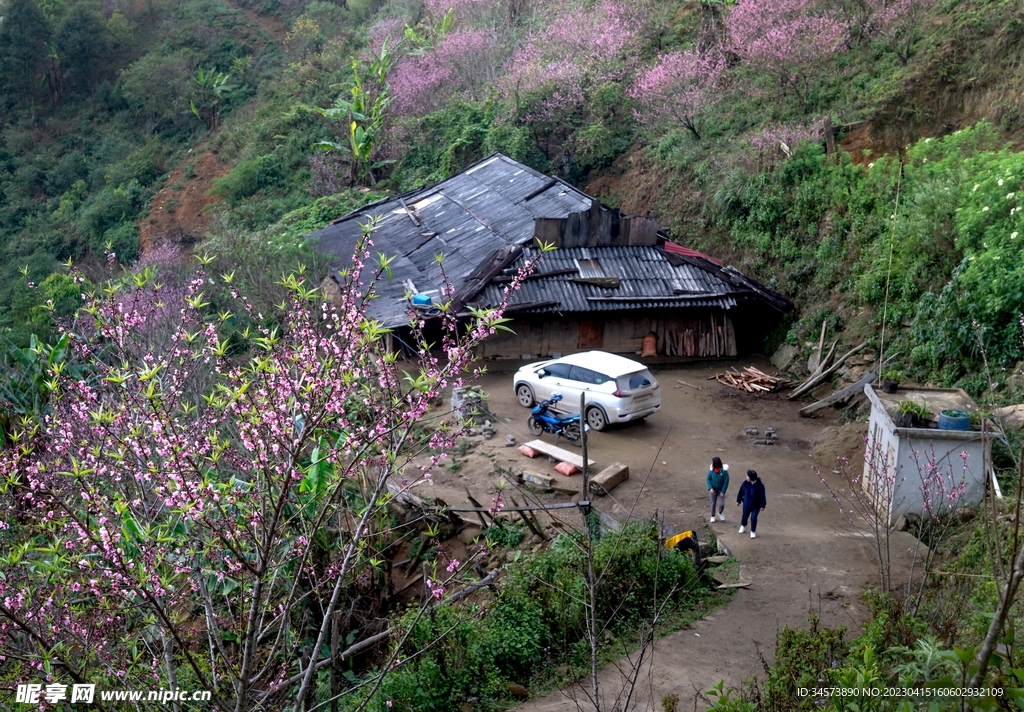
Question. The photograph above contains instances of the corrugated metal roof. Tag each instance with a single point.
(648, 278)
(467, 218)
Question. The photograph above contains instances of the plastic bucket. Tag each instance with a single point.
(954, 420)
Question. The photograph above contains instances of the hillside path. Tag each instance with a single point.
(806, 557)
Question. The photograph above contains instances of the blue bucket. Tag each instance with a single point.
(954, 420)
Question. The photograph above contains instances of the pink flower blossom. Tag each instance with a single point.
(463, 62)
(437, 590)
(578, 50)
(788, 39)
(679, 88)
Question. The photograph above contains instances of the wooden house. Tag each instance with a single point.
(613, 280)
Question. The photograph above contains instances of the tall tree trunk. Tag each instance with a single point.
(335, 662)
(988, 646)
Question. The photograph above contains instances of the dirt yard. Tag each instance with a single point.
(806, 557)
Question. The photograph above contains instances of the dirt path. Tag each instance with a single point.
(806, 557)
(182, 209)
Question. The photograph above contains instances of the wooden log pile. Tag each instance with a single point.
(821, 373)
(713, 337)
(750, 380)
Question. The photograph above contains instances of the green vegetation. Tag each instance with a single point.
(914, 408)
(91, 133)
(94, 110)
(944, 267)
(535, 624)
(893, 374)
(924, 650)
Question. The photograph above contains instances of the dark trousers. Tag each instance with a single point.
(752, 515)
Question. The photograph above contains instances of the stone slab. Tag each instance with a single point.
(609, 478)
(547, 482)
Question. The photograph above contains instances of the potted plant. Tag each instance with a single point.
(912, 414)
(954, 419)
(891, 378)
(977, 417)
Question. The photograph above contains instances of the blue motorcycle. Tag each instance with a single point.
(542, 420)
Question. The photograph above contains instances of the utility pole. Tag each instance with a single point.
(585, 501)
(591, 614)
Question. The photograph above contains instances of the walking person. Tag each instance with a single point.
(752, 497)
(718, 483)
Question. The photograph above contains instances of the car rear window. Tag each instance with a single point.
(585, 375)
(636, 381)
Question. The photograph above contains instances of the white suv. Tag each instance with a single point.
(618, 390)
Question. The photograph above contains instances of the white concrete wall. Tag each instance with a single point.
(881, 458)
(938, 449)
(892, 448)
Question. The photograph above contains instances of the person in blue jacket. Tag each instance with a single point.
(752, 497)
(718, 483)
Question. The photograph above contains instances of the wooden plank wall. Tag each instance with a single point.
(537, 337)
(709, 335)
(600, 226)
(687, 335)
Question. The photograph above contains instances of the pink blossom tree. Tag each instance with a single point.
(790, 40)
(480, 13)
(186, 518)
(900, 22)
(464, 61)
(679, 89)
(577, 51)
(388, 30)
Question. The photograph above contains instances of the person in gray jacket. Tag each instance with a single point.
(718, 483)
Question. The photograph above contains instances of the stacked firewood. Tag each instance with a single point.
(750, 380)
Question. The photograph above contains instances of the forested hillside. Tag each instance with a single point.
(207, 475)
(235, 128)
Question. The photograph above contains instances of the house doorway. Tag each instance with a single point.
(591, 335)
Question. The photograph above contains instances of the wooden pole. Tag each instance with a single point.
(527, 508)
(479, 507)
(526, 519)
(583, 435)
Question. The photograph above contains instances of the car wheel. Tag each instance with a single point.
(524, 394)
(596, 419)
(534, 426)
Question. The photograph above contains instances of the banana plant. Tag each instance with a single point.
(30, 375)
(423, 39)
(213, 89)
(362, 110)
